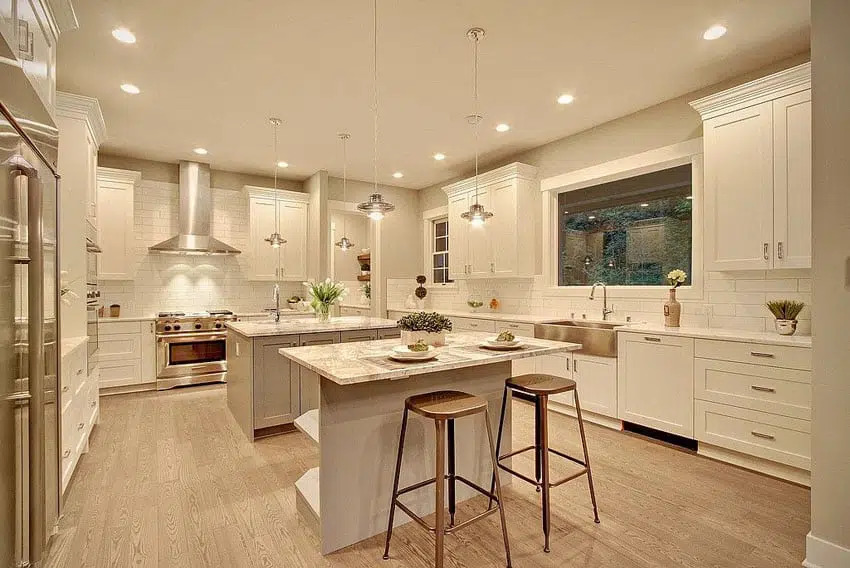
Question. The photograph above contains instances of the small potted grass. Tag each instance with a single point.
(429, 328)
(785, 312)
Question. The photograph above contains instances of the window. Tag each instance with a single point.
(629, 232)
(440, 251)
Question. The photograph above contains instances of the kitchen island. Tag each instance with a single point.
(361, 399)
(265, 392)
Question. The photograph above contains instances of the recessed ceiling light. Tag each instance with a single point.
(438, 156)
(200, 151)
(644, 204)
(565, 99)
(398, 175)
(130, 88)
(502, 127)
(124, 35)
(282, 164)
(714, 32)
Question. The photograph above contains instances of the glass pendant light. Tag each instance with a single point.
(275, 240)
(344, 243)
(476, 215)
(375, 207)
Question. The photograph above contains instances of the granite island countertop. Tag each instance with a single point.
(367, 361)
(293, 325)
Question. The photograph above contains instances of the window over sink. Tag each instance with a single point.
(629, 232)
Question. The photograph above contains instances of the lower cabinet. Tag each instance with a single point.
(80, 406)
(595, 377)
(656, 382)
(308, 381)
(126, 353)
(355, 311)
(276, 382)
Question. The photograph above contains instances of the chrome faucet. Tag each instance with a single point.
(605, 310)
(276, 298)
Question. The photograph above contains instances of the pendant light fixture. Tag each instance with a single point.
(375, 207)
(275, 240)
(476, 214)
(344, 243)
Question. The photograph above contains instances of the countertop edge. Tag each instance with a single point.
(376, 323)
(718, 334)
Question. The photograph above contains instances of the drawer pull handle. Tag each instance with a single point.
(762, 389)
(653, 339)
(93, 403)
(80, 426)
(66, 453)
(762, 435)
(65, 388)
(79, 371)
(760, 354)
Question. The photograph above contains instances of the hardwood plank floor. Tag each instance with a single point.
(170, 480)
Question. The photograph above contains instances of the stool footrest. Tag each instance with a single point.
(534, 481)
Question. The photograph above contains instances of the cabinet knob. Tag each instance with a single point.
(779, 250)
(66, 453)
(65, 389)
(766, 251)
(80, 426)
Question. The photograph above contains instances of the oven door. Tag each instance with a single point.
(191, 355)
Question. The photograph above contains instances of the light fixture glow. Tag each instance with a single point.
(644, 204)
(375, 215)
(124, 35)
(565, 99)
(689, 197)
(275, 240)
(200, 151)
(398, 175)
(130, 89)
(282, 164)
(714, 32)
(502, 127)
(591, 217)
(439, 156)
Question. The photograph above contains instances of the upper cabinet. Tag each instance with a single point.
(500, 248)
(758, 182)
(115, 191)
(286, 212)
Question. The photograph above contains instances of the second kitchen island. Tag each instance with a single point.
(265, 392)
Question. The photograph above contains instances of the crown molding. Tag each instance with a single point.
(787, 82)
(280, 194)
(118, 176)
(79, 107)
(511, 172)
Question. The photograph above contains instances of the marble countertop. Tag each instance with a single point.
(367, 361)
(71, 343)
(484, 315)
(770, 338)
(309, 324)
(107, 319)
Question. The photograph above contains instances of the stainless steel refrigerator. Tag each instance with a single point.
(29, 323)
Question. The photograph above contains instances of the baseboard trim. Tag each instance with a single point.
(127, 389)
(754, 463)
(824, 554)
(600, 419)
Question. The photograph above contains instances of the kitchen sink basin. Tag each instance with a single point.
(596, 337)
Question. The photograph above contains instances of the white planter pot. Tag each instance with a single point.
(411, 337)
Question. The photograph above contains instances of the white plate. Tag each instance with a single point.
(407, 359)
(501, 346)
(494, 341)
(402, 353)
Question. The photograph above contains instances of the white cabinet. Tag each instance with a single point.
(126, 353)
(363, 311)
(115, 190)
(286, 212)
(36, 43)
(596, 380)
(758, 154)
(79, 400)
(655, 381)
(500, 247)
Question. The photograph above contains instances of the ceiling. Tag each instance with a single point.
(211, 72)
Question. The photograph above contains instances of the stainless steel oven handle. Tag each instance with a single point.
(190, 338)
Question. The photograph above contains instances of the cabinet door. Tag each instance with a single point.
(8, 30)
(37, 49)
(276, 385)
(792, 143)
(91, 189)
(739, 189)
(115, 230)
(358, 335)
(656, 382)
(596, 380)
(503, 230)
(264, 258)
(120, 373)
(480, 259)
(148, 349)
(293, 228)
(559, 365)
(309, 380)
(458, 237)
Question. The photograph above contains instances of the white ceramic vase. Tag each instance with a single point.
(411, 337)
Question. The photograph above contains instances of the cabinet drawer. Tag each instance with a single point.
(776, 438)
(323, 338)
(389, 333)
(517, 328)
(787, 392)
(469, 324)
(756, 353)
(106, 327)
(354, 311)
(120, 373)
(358, 335)
(120, 347)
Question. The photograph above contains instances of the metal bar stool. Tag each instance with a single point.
(443, 407)
(537, 388)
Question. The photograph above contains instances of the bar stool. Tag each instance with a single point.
(444, 407)
(537, 388)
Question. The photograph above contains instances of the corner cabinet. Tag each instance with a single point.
(115, 190)
(498, 248)
(758, 166)
(287, 211)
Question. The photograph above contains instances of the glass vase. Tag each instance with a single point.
(323, 312)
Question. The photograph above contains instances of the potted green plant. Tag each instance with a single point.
(323, 295)
(785, 312)
(293, 302)
(422, 326)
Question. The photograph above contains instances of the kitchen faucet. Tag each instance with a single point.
(276, 298)
(605, 310)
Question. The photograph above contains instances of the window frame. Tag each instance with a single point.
(429, 220)
(689, 152)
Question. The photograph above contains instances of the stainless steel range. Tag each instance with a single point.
(191, 348)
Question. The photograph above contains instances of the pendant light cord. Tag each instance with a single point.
(375, 92)
(275, 124)
(475, 117)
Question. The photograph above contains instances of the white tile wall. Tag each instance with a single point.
(166, 282)
(732, 300)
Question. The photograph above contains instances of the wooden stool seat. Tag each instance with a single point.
(445, 405)
(539, 383)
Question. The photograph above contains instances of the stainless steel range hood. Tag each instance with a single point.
(194, 217)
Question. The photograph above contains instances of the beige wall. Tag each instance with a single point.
(318, 226)
(831, 281)
(169, 172)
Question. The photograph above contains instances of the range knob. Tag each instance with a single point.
(177, 327)
(167, 327)
(197, 325)
(218, 325)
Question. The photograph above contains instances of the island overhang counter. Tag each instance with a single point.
(361, 399)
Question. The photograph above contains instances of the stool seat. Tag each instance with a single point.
(539, 383)
(445, 405)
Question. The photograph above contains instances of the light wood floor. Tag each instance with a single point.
(171, 481)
